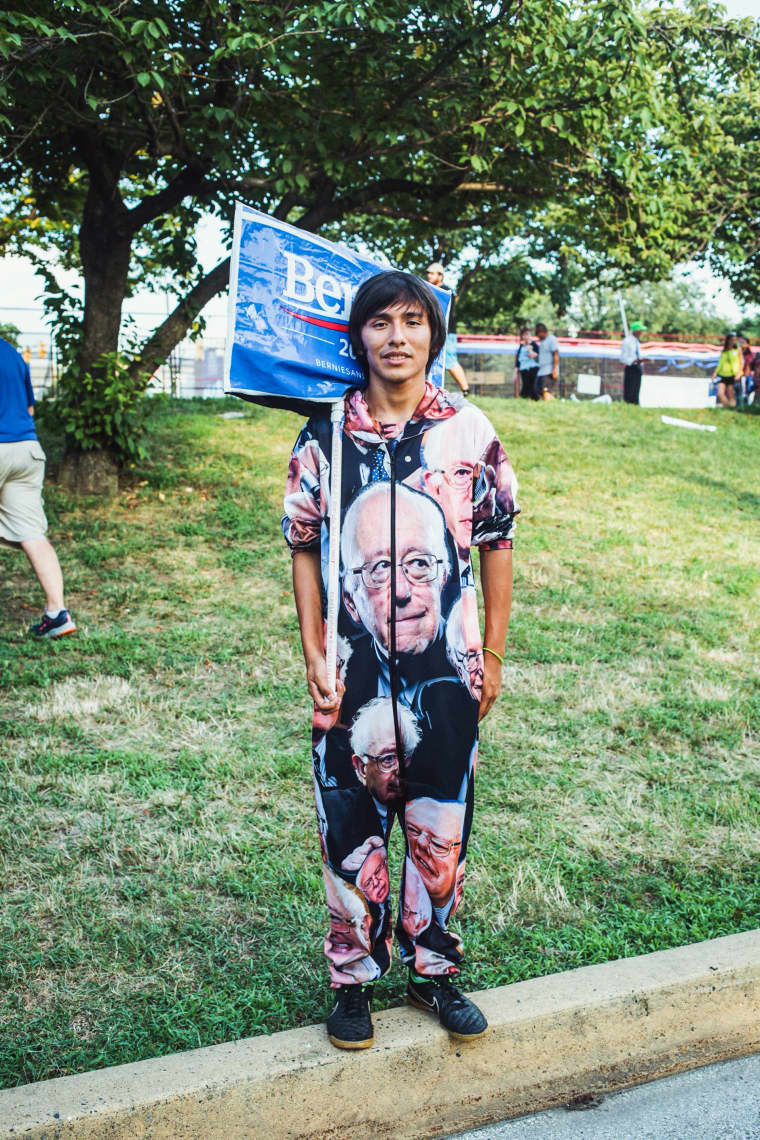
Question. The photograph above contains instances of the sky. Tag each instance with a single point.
(20, 287)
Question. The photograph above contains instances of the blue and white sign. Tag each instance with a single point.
(290, 298)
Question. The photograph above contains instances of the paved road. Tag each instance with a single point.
(720, 1102)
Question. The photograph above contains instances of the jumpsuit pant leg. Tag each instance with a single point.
(436, 828)
(353, 840)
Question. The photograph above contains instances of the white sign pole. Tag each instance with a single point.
(333, 565)
(622, 314)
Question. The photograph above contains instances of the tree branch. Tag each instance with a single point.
(191, 180)
(171, 331)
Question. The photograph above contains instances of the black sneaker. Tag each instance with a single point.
(455, 1012)
(349, 1025)
(56, 626)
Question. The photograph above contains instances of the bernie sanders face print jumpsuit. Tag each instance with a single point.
(414, 498)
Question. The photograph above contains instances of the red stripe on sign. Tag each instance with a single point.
(341, 326)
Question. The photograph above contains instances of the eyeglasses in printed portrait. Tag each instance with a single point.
(421, 572)
(462, 650)
(434, 835)
(373, 746)
(370, 864)
(416, 908)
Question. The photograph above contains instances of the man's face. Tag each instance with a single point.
(397, 343)
(434, 834)
(418, 603)
(434, 277)
(348, 938)
(542, 334)
(373, 877)
(380, 772)
(452, 489)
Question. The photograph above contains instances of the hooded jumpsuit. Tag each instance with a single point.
(414, 498)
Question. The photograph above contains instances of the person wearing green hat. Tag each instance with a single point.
(630, 355)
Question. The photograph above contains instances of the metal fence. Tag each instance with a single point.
(197, 369)
(191, 370)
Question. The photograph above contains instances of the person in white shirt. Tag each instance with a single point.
(630, 357)
(548, 362)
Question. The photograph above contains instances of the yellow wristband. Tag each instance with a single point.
(498, 656)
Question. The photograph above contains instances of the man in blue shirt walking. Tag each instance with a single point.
(22, 470)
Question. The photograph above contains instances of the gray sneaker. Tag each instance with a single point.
(57, 626)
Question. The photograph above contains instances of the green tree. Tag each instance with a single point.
(679, 307)
(448, 126)
(708, 73)
(10, 332)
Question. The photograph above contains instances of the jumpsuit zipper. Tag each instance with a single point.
(392, 662)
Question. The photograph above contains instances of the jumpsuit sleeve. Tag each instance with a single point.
(306, 497)
(494, 499)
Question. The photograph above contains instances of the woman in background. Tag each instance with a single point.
(729, 372)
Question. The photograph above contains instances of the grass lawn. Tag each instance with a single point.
(159, 864)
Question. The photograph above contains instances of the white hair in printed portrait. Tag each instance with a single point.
(462, 438)
(343, 655)
(374, 722)
(432, 524)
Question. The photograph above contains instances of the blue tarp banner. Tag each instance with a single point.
(290, 298)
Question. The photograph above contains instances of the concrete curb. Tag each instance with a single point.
(590, 1030)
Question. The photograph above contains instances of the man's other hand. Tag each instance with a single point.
(491, 683)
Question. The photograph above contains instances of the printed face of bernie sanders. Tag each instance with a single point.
(434, 834)
(350, 921)
(416, 909)
(422, 566)
(373, 746)
(370, 864)
(451, 455)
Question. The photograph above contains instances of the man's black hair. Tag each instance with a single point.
(541, 327)
(385, 290)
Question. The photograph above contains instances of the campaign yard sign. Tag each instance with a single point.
(290, 298)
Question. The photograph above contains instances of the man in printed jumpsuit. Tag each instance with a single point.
(424, 478)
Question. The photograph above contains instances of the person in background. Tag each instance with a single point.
(752, 379)
(747, 366)
(548, 363)
(22, 470)
(630, 358)
(435, 277)
(729, 372)
(526, 362)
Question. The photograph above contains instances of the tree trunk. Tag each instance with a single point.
(89, 473)
(105, 243)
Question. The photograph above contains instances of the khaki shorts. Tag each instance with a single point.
(22, 469)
